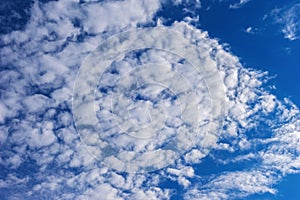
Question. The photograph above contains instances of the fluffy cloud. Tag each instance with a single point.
(43, 157)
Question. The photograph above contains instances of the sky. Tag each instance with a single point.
(149, 99)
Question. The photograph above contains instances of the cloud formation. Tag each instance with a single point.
(184, 96)
(43, 157)
(288, 18)
(239, 4)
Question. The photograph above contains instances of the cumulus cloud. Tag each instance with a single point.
(185, 104)
(43, 157)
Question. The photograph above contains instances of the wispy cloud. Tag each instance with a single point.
(239, 4)
(288, 18)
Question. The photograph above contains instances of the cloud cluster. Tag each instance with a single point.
(43, 157)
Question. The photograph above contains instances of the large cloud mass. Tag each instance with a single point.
(43, 157)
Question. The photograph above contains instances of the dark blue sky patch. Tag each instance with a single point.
(14, 15)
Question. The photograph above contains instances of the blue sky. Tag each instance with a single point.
(265, 49)
(150, 99)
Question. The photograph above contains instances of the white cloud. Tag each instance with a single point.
(194, 156)
(288, 18)
(48, 159)
(197, 114)
(182, 175)
(3, 111)
(239, 4)
(101, 191)
(251, 30)
(237, 184)
(12, 180)
(250, 182)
